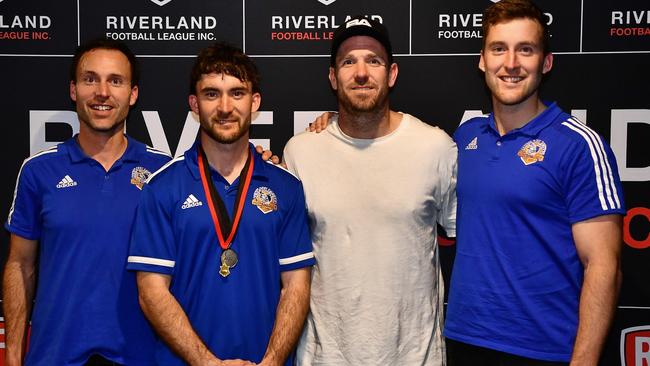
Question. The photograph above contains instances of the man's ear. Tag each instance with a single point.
(548, 63)
(257, 100)
(194, 104)
(134, 95)
(332, 77)
(481, 62)
(73, 91)
(392, 74)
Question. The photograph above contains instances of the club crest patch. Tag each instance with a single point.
(139, 176)
(532, 151)
(265, 200)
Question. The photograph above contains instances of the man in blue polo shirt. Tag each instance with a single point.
(536, 274)
(73, 208)
(221, 242)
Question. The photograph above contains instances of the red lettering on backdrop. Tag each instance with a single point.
(627, 237)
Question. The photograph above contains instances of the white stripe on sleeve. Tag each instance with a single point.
(609, 177)
(13, 201)
(149, 260)
(597, 164)
(296, 258)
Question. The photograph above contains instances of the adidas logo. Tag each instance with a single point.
(190, 202)
(473, 145)
(66, 182)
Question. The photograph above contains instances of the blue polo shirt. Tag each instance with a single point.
(86, 302)
(174, 235)
(516, 279)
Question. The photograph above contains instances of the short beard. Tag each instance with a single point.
(231, 138)
(369, 108)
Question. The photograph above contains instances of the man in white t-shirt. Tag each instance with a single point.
(377, 182)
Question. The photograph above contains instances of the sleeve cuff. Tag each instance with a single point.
(149, 264)
(297, 261)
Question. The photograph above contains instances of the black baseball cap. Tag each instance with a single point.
(359, 25)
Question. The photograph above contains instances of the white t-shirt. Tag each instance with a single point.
(377, 290)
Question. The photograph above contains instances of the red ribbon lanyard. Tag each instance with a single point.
(220, 218)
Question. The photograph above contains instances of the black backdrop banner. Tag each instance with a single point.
(600, 74)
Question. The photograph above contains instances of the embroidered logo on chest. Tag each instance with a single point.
(66, 182)
(191, 201)
(265, 200)
(532, 151)
(473, 145)
(139, 176)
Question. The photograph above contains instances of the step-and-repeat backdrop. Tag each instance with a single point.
(600, 74)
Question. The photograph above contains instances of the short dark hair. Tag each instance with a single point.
(106, 44)
(224, 58)
(506, 10)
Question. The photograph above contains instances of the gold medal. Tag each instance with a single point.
(224, 270)
(228, 260)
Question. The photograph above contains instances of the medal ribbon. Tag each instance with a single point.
(220, 218)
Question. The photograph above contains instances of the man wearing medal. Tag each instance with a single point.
(377, 289)
(221, 244)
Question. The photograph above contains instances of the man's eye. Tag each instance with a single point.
(527, 50)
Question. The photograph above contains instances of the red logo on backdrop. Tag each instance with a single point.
(635, 346)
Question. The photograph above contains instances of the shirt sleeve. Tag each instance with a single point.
(592, 184)
(447, 207)
(152, 246)
(24, 215)
(295, 238)
(287, 158)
